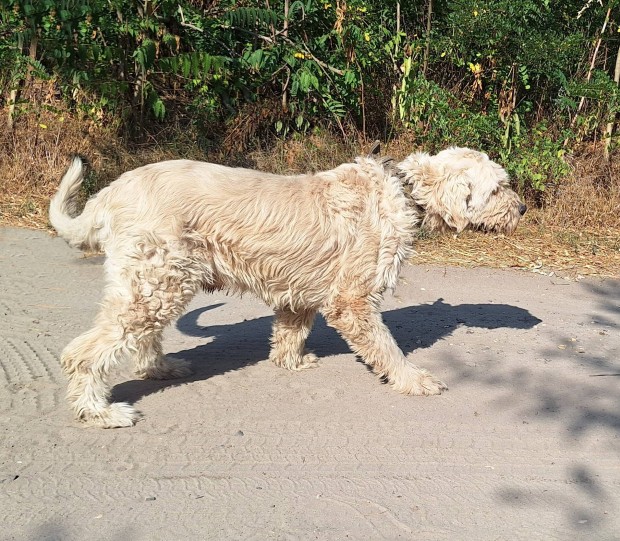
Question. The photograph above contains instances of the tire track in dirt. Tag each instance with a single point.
(352, 472)
(27, 362)
(31, 334)
(375, 505)
(29, 367)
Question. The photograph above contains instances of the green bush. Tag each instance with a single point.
(536, 159)
(488, 74)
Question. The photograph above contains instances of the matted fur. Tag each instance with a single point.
(460, 188)
(331, 242)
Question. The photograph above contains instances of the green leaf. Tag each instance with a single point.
(256, 58)
(145, 54)
(159, 109)
(350, 77)
(304, 81)
(186, 66)
(206, 63)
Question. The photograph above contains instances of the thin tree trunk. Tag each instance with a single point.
(427, 50)
(14, 94)
(397, 32)
(32, 53)
(271, 26)
(12, 99)
(363, 100)
(285, 33)
(610, 126)
(592, 64)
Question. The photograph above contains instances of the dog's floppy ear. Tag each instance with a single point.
(455, 202)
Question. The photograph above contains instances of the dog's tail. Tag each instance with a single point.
(78, 230)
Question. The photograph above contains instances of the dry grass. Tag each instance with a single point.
(311, 153)
(577, 233)
(590, 198)
(35, 155)
(553, 250)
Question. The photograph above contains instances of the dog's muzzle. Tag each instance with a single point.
(522, 209)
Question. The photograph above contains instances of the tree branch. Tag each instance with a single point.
(187, 25)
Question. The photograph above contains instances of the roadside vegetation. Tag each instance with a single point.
(295, 85)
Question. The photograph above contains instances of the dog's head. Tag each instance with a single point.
(460, 188)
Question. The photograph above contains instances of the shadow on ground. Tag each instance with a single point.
(237, 345)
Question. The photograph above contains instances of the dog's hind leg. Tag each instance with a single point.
(359, 322)
(290, 330)
(151, 363)
(142, 300)
(87, 361)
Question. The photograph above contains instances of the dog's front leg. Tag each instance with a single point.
(359, 322)
(290, 330)
(151, 363)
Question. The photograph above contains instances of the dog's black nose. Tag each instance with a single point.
(522, 209)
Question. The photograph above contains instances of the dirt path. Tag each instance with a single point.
(525, 445)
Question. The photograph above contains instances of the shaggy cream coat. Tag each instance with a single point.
(331, 242)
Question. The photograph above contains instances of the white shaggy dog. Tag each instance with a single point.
(460, 188)
(330, 242)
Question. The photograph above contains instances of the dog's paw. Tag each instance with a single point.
(309, 360)
(116, 415)
(166, 368)
(418, 381)
(296, 362)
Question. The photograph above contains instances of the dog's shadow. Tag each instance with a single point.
(237, 345)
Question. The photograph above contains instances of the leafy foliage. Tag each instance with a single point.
(504, 76)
